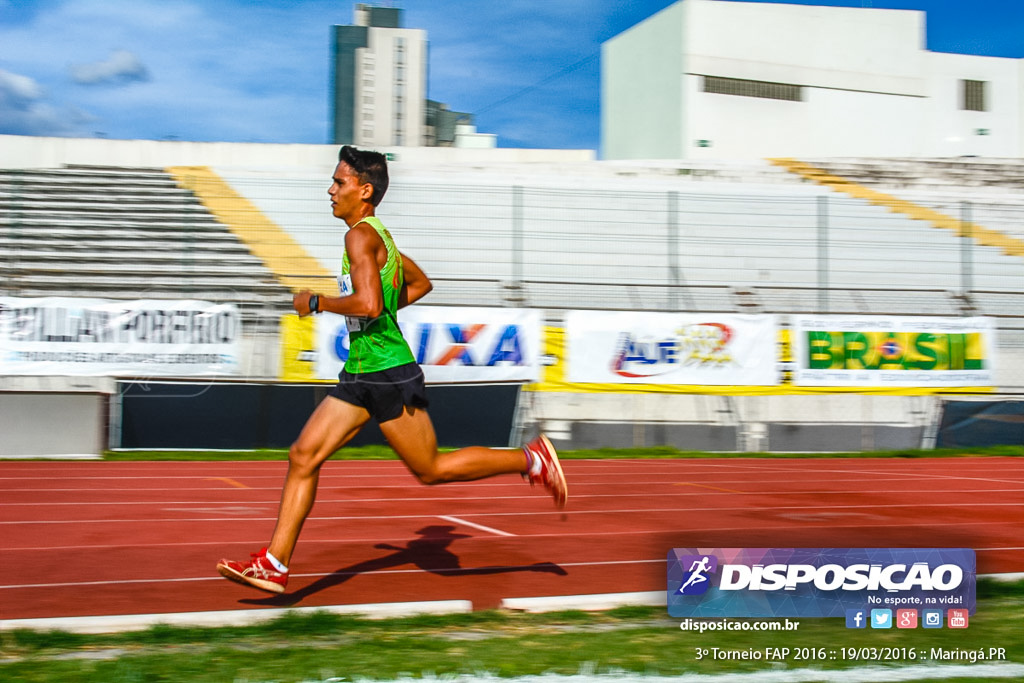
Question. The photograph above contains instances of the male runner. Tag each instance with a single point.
(380, 379)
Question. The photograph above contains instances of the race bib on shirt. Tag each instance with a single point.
(352, 323)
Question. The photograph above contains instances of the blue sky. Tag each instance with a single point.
(235, 70)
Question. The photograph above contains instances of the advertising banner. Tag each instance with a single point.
(141, 338)
(880, 351)
(451, 344)
(862, 584)
(672, 348)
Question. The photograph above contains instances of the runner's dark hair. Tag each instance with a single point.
(370, 167)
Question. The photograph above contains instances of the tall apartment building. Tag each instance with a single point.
(379, 97)
(380, 79)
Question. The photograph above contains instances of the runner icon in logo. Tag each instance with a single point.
(697, 581)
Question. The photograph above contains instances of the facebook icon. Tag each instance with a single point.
(856, 618)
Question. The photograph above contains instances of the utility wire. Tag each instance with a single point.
(544, 81)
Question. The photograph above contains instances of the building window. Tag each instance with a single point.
(400, 60)
(973, 95)
(745, 88)
(399, 94)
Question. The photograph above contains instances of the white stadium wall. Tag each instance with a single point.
(641, 98)
(54, 416)
(832, 120)
(868, 86)
(833, 47)
(20, 151)
(953, 131)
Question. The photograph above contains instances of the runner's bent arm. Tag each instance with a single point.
(367, 300)
(416, 285)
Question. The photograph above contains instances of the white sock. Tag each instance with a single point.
(276, 563)
(532, 462)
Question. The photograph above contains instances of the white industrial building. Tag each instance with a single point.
(707, 79)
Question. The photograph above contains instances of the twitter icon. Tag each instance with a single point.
(881, 618)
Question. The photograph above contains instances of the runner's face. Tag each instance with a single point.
(347, 193)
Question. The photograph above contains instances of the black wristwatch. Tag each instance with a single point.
(314, 303)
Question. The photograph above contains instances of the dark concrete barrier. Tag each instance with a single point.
(981, 423)
(244, 416)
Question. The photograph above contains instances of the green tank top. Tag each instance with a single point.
(377, 343)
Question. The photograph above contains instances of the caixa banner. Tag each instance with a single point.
(817, 582)
(451, 344)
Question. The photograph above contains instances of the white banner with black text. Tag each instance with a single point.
(139, 338)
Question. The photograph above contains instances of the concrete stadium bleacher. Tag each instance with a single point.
(973, 206)
(956, 174)
(556, 242)
(732, 237)
(122, 233)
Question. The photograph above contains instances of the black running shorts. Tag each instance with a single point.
(384, 394)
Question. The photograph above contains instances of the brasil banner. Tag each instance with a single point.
(880, 351)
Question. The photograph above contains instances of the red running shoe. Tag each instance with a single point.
(258, 573)
(546, 470)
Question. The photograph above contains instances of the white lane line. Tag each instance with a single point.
(916, 673)
(375, 572)
(242, 617)
(454, 499)
(591, 602)
(921, 475)
(578, 480)
(732, 470)
(585, 534)
(481, 527)
(341, 518)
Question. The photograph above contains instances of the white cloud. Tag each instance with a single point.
(22, 111)
(17, 90)
(122, 67)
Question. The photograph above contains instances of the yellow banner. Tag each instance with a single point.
(298, 346)
(298, 349)
(553, 378)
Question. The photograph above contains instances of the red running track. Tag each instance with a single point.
(101, 538)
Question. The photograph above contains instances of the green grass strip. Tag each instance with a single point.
(642, 640)
(656, 452)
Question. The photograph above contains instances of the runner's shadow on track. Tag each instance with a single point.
(429, 552)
